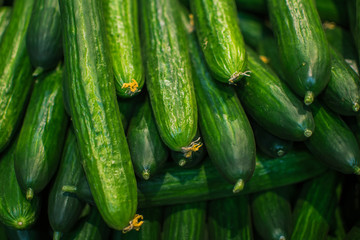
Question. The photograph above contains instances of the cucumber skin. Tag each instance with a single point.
(5, 15)
(42, 134)
(302, 45)
(121, 19)
(220, 38)
(184, 221)
(95, 113)
(148, 152)
(14, 207)
(43, 37)
(64, 210)
(168, 73)
(15, 71)
(230, 218)
(333, 142)
(263, 92)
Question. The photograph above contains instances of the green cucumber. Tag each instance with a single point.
(263, 92)
(271, 211)
(95, 113)
(354, 233)
(333, 142)
(315, 207)
(148, 152)
(342, 94)
(42, 135)
(184, 221)
(121, 19)
(168, 73)
(302, 45)
(5, 15)
(63, 209)
(220, 38)
(224, 126)
(43, 37)
(230, 218)
(127, 107)
(15, 210)
(15, 71)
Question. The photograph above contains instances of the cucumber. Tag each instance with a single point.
(63, 209)
(271, 211)
(354, 232)
(42, 135)
(220, 38)
(127, 107)
(333, 142)
(263, 92)
(121, 20)
(230, 218)
(43, 37)
(315, 207)
(184, 221)
(168, 73)
(5, 14)
(15, 71)
(302, 45)
(15, 210)
(95, 113)
(342, 94)
(270, 144)
(148, 152)
(224, 126)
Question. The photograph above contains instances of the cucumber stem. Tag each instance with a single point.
(29, 194)
(239, 185)
(57, 236)
(38, 71)
(356, 107)
(182, 162)
(280, 152)
(308, 133)
(69, 189)
(309, 98)
(146, 174)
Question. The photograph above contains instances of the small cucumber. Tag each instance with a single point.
(5, 14)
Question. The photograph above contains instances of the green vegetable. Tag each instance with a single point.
(5, 15)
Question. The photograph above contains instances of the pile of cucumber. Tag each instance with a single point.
(180, 119)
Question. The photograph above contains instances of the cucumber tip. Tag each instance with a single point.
(29, 194)
(308, 133)
(280, 152)
(309, 98)
(239, 186)
(146, 174)
(182, 162)
(356, 107)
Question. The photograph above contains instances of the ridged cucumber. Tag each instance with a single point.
(5, 14)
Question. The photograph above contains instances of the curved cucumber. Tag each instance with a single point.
(95, 113)
(220, 38)
(121, 19)
(5, 15)
(148, 152)
(15, 71)
(302, 45)
(43, 37)
(168, 73)
(42, 135)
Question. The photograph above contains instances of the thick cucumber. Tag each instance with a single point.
(263, 92)
(302, 45)
(224, 126)
(43, 37)
(168, 73)
(42, 135)
(15, 210)
(184, 221)
(15, 71)
(5, 14)
(271, 211)
(95, 113)
(230, 218)
(63, 209)
(333, 142)
(121, 19)
(220, 38)
(315, 207)
(148, 152)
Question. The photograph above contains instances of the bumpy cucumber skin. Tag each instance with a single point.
(333, 142)
(15, 210)
(121, 19)
(184, 221)
(95, 113)
(302, 45)
(43, 37)
(63, 209)
(15, 71)
(230, 218)
(5, 14)
(168, 73)
(272, 104)
(220, 38)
